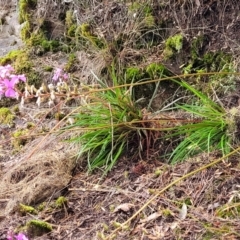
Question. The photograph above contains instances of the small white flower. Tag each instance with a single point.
(71, 120)
(39, 101)
(26, 92)
(33, 89)
(38, 92)
(50, 103)
(52, 95)
(50, 86)
(22, 102)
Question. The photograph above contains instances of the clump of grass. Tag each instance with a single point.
(106, 126)
(212, 127)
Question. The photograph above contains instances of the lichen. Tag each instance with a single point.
(6, 116)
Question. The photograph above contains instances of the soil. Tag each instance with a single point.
(140, 198)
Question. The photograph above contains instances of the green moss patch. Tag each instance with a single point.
(24, 209)
(173, 45)
(6, 116)
(38, 227)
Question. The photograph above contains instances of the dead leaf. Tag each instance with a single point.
(183, 212)
(151, 217)
(125, 207)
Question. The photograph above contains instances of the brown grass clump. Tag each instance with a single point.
(30, 180)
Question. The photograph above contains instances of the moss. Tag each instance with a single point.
(30, 125)
(149, 21)
(6, 116)
(38, 37)
(16, 110)
(12, 56)
(51, 45)
(60, 202)
(156, 70)
(210, 61)
(42, 44)
(173, 45)
(197, 46)
(41, 206)
(20, 60)
(136, 6)
(48, 68)
(27, 209)
(34, 78)
(71, 32)
(72, 59)
(133, 73)
(86, 31)
(38, 227)
(70, 24)
(19, 138)
(26, 31)
(167, 212)
(25, 15)
(59, 116)
(24, 7)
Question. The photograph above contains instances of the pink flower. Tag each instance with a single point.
(59, 75)
(9, 88)
(19, 236)
(5, 70)
(8, 81)
(16, 78)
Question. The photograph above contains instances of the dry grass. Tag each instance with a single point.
(32, 179)
(96, 208)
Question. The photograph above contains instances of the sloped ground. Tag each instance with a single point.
(95, 207)
(204, 205)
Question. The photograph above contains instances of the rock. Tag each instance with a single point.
(10, 30)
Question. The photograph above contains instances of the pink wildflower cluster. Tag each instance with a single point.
(59, 75)
(19, 236)
(8, 80)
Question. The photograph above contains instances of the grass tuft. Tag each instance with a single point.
(106, 126)
(208, 131)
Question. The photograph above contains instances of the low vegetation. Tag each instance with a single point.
(148, 93)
